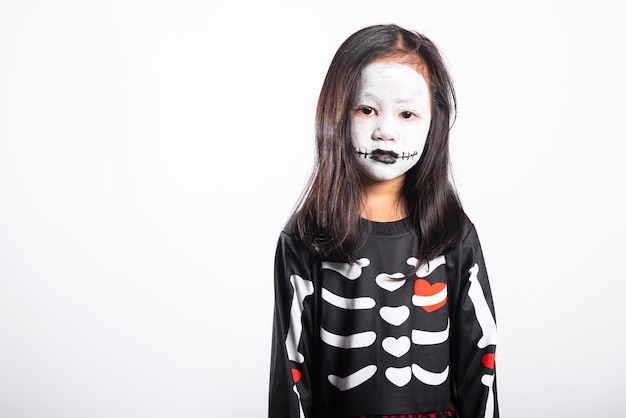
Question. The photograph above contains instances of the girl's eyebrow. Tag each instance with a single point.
(407, 101)
(370, 96)
(412, 102)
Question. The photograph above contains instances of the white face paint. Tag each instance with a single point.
(391, 120)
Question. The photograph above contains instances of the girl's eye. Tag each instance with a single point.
(366, 110)
(406, 115)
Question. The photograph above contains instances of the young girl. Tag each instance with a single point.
(382, 302)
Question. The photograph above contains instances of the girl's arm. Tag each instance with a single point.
(290, 391)
(474, 336)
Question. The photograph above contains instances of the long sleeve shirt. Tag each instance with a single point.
(377, 337)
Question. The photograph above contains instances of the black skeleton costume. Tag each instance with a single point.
(368, 338)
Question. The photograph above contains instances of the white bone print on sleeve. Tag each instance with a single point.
(487, 380)
(295, 389)
(487, 325)
(301, 289)
(483, 313)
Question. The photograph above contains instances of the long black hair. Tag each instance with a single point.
(328, 213)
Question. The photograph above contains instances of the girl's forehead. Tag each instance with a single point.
(392, 77)
(393, 82)
(410, 60)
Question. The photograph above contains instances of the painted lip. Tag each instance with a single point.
(382, 156)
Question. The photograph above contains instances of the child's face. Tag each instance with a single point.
(391, 120)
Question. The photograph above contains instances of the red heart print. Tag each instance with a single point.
(423, 288)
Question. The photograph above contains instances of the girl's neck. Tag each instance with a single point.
(382, 200)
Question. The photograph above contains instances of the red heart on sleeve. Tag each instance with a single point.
(489, 360)
(295, 373)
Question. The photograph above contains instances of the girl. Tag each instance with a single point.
(382, 302)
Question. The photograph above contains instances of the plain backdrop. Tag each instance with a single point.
(151, 151)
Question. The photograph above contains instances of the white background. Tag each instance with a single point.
(150, 152)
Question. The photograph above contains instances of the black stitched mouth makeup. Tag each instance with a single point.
(386, 157)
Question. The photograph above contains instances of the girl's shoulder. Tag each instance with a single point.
(291, 226)
(291, 234)
(468, 226)
(470, 234)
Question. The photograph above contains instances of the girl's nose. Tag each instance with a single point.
(384, 130)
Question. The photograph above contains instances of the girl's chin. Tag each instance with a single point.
(383, 172)
(379, 178)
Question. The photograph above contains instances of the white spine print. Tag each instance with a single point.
(483, 313)
(301, 289)
(399, 376)
(353, 380)
(395, 315)
(359, 340)
(397, 346)
(350, 271)
(487, 380)
(348, 303)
